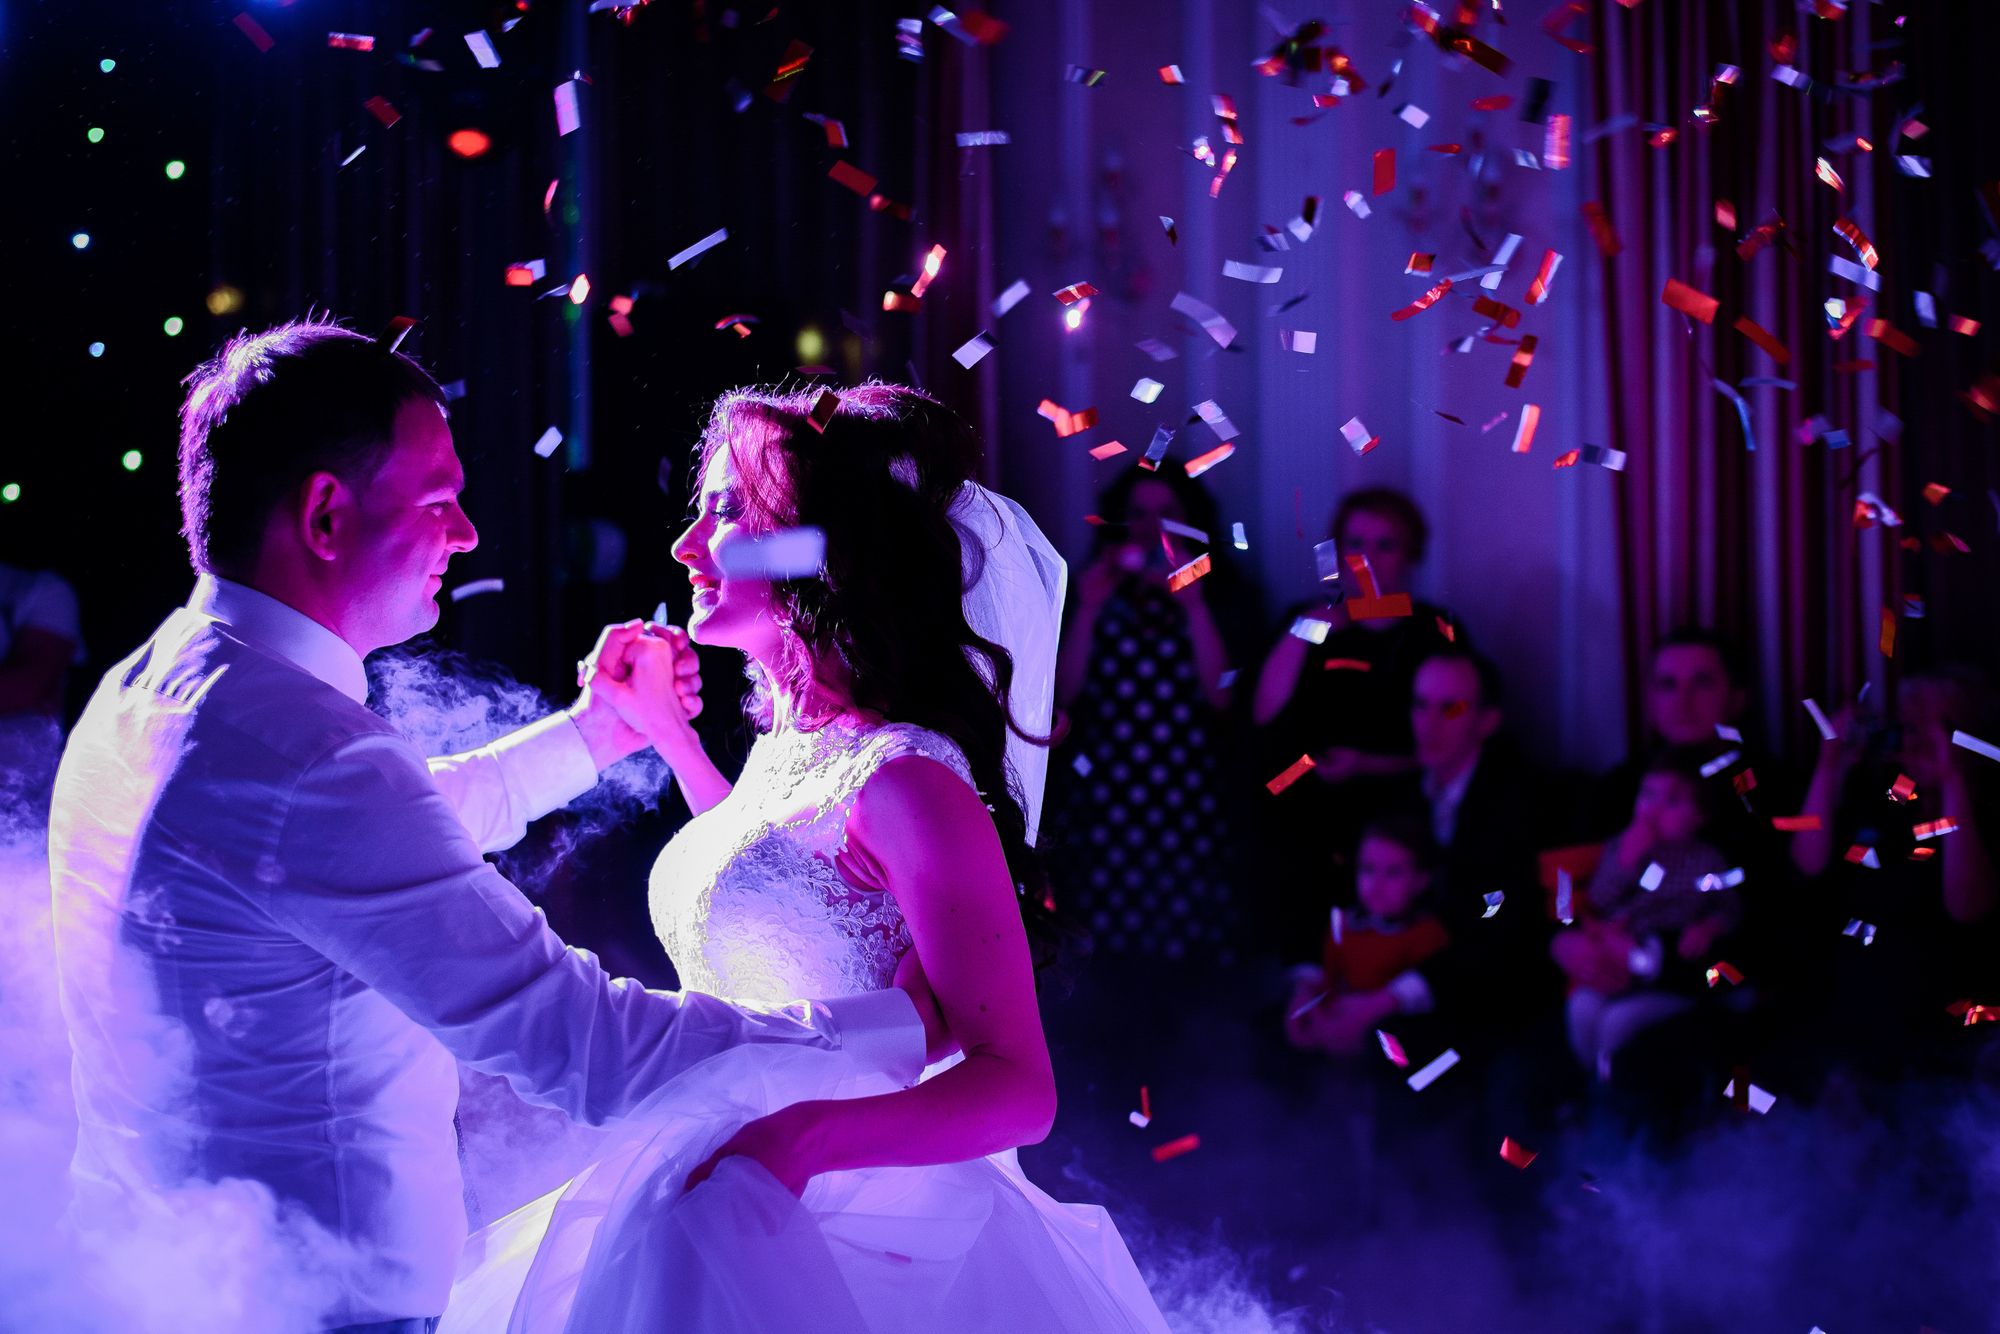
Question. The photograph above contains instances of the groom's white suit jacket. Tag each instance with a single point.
(275, 930)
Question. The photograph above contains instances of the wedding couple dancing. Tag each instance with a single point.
(276, 930)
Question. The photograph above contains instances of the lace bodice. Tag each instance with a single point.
(746, 898)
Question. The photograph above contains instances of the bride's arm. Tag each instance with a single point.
(920, 832)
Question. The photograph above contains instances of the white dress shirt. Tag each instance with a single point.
(275, 931)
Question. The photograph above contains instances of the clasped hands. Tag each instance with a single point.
(640, 685)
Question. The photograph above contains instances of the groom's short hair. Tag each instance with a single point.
(270, 410)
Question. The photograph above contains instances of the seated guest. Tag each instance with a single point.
(1480, 801)
(40, 640)
(1138, 833)
(1659, 889)
(1372, 949)
(1908, 922)
(1344, 702)
(1695, 693)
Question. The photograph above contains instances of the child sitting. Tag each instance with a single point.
(1367, 952)
(1658, 886)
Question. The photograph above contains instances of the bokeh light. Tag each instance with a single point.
(224, 300)
(469, 143)
(107, 65)
(133, 458)
(81, 240)
(174, 326)
(176, 169)
(96, 136)
(97, 349)
(811, 345)
(10, 493)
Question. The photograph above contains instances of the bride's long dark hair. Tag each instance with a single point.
(889, 605)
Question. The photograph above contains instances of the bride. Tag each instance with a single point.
(883, 822)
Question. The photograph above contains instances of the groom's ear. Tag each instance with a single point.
(324, 508)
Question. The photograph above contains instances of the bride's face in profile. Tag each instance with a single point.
(728, 613)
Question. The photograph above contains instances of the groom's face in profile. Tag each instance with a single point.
(402, 527)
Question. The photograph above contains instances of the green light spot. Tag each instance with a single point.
(176, 169)
(107, 65)
(133, 458)
(10, 493)
(96, 136)
(174, 325)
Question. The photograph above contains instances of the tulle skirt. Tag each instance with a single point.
(623, 1249)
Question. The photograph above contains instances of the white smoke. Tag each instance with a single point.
(445, 703)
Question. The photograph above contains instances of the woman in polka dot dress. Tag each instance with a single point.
(1139, 840)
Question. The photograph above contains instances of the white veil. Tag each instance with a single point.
(1016, 601)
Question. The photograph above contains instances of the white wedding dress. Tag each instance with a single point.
(749, 905)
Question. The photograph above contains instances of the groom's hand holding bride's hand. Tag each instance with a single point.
(619, 707)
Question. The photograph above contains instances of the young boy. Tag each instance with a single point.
(1659, 886)
(1392, 934)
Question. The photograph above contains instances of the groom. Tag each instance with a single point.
(274, 927)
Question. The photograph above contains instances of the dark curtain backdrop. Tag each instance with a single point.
(1764, 546)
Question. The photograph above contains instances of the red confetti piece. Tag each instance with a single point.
(1934, 828)
(1444, 628)
(1201, 463)
(1385, 170)
(1724, 970)
(1888, 641)
(1538, 290)
(1934, 492)
(1725, 215)
(1857, 854)
(392, 337)
(1523, 355)
(1379, 609)
(1188, 573)
(1793, 824)
(1497, 103)
(1824, 170)
(1176, 1147)
(255, 32)
(1744, 782)
(1506, 315)
(1890, 336)
(933, 261)
(1419, 262)
(1364, 575)
(350, 41)
(1903, 789)
(836, 133)
(1601, 230)
(1075, 292)
(1292, 774)
(901, 301)
(1690, 302)
(1449, 150)
(851, 176)
(1347, 665)
(1424, 302)
(1853, 367)
(1555, 143)
(1961, 325)
(1109, 449)
(1067, 423)
(1514, 1153)
(520, 275)
(823, 409)
(549, 196)
(1569, 460)
(1531, 417)
(1864, 249)
(1763, 338)
(383, 112)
